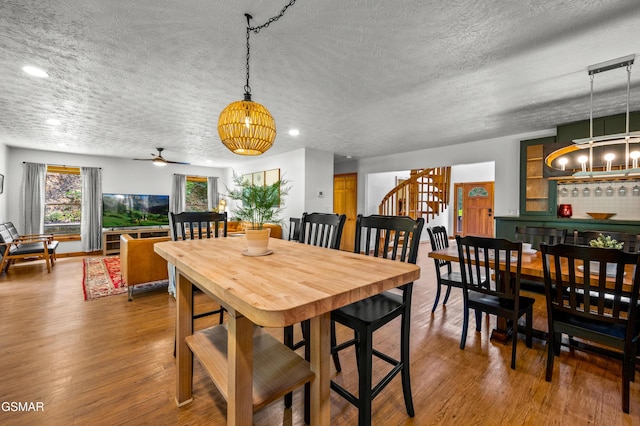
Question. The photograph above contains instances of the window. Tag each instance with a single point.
(196, 194)
(63, 198)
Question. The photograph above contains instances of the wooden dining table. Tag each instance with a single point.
(531, 269)
(296, 282)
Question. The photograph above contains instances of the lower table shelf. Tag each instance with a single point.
(276, 369)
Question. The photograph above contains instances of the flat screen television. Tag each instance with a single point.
(134, 210)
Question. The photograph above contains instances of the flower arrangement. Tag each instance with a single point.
(605, 241)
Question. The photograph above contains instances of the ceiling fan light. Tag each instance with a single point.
(246, 128)
(160, 162)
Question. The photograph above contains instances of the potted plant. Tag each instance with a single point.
(605, 241)
(257, 205)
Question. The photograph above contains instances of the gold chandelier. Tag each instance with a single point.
(246, 127)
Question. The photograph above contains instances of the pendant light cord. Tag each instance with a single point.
(256, 30)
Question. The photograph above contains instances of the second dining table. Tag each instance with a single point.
(294, 283)
(531, 269)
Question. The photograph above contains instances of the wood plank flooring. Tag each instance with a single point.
(110, 362)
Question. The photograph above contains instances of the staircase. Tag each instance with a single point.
(425, 194)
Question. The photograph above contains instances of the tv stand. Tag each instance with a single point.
(111, 237)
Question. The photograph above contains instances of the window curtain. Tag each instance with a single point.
(32, 202)
(91, 217)
(177, 204)
(178, 199)
(212, 192)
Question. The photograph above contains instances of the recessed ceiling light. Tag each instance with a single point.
(36, 72)
(53, 121)
(294, 132)
(349, 157)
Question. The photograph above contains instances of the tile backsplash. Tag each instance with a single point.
(619, 197)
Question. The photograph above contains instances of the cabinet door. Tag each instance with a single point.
(537, 193)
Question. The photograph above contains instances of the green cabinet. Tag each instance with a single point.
(609, 125)
(537, 193)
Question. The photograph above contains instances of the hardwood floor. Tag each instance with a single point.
(110, 361)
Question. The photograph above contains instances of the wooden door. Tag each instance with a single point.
(345, 201)
(474, 209)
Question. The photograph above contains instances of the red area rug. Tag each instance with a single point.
(102, 277)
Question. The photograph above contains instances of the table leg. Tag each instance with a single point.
(320, 358)
(240, 356)
(184, 328)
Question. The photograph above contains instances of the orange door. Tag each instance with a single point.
(345, 201)
(474, 209)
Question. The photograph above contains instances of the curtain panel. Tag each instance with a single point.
(177, 204)
(32, 200)
(91, 217)
(212, 192)
(178, 198)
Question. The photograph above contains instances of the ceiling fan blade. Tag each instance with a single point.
(177, 162)
(142, 159)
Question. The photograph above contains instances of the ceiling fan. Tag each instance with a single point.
(159, 160)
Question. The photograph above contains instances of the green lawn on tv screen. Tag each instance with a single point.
(133, 219)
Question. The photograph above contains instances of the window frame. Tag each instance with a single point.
(71, 170)
(198, 179)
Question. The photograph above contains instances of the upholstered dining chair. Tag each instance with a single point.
(449, 278)
(199, 225)
(395, 238)
(321, 230)
(499, 296)
(602, 309)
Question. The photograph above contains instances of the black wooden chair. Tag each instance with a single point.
(199, 225)
(321, 230)
(601, 309)
(631, 241)
(440, 241)
(500, 296)
(294, 229)
(395, 238)
(536, 235)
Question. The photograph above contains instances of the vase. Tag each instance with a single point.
(564, 210)
(257, 240)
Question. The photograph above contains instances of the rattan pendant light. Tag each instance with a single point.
(246, 127)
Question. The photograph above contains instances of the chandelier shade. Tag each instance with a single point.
(246, 128)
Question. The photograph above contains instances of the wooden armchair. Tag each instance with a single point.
(15, 246)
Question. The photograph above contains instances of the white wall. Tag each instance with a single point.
(504, 151)
(4, 162)
(318, 178)
(307, 171)
(118, 176)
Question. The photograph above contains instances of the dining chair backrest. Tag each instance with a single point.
(479, 255)
(592, 294)
(389, 237)
(535, 235)
(439, 241)
(294, 229)
(631, 241)
(603, 296)
(322, 229)
(197, 225)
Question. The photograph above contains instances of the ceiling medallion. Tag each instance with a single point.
(246, 127)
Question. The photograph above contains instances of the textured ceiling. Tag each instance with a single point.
(360, 77)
